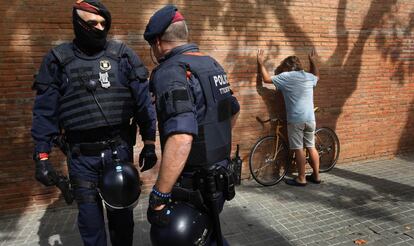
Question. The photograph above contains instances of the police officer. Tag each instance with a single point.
(94, 92)
(195, 110)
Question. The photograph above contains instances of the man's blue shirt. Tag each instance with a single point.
(297, 88)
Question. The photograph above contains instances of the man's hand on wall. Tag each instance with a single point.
(260, 56)
(312, 55)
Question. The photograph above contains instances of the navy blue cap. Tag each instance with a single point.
(159, 22)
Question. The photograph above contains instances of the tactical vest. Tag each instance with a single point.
(78, 109)
(213, 142)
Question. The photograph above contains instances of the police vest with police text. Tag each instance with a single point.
(213, 142)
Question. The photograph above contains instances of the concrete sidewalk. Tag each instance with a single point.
(371, 201)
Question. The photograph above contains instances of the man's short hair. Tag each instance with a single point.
(176, 32)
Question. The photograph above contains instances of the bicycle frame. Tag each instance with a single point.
(278, 132)
(275, 154)
(278, 127)
(272, 151)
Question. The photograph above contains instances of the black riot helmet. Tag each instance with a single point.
(187, 226)
(119, 185)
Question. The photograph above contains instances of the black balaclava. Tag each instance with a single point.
(88, 38)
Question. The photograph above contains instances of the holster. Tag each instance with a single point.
(60, 142)
(193, 197)
(211, 182)
(63, 183)
(130, 134)
(223, 181)
(194, 189)
(64, 186)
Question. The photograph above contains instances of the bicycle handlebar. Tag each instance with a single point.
(270, 119)
(316, 109)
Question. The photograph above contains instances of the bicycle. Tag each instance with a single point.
(270, 159)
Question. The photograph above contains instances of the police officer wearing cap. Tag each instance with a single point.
(195, 110)
(94, 92)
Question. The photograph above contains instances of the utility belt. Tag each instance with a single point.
(125, 131)
(208, 181)
(92, 143)
(95, 148)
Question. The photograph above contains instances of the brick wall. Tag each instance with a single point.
(366, 52)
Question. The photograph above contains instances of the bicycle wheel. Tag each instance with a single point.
(327, 144)
(268, 163)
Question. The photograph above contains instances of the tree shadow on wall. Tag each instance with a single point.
(14, 116)
(239, 23)
(399, 48)
(407, 137)
(344, 63)
(232, 39)
(274, 102)
(24, 38)
(343, 66)
(399, 51)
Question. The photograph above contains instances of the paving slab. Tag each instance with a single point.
(370, 200)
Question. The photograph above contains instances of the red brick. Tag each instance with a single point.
(365, 92)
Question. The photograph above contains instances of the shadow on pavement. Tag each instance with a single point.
(390, 190)
(240, 225)
(357, 194)
(247, 225)
(58, 225)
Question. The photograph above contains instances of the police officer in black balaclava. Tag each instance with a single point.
(93, 93)
(91, 35)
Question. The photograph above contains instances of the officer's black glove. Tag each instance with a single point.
(156, 199)
(159, 217)
(45, 172)
(147, 157)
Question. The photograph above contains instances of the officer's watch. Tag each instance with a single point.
(158, 198)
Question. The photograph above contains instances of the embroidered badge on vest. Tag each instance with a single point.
(105, 66)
